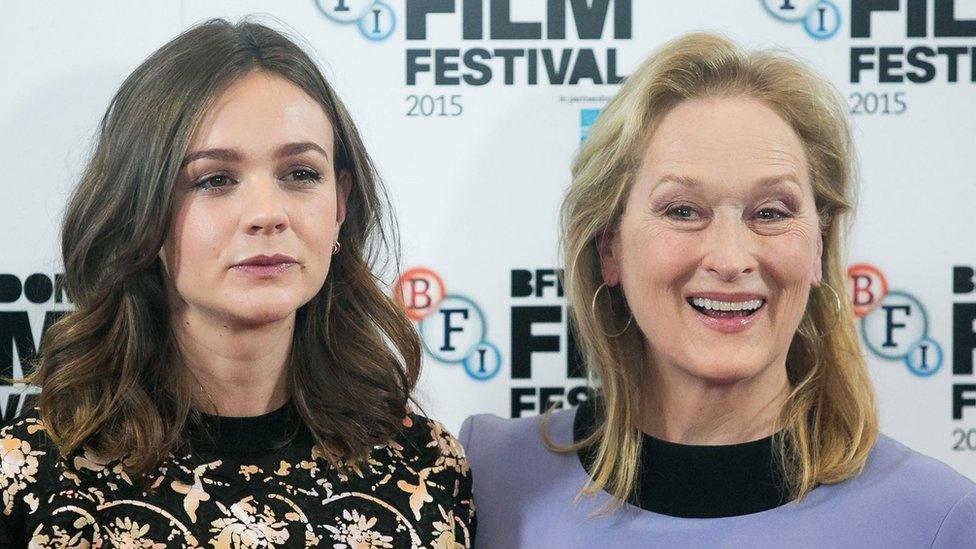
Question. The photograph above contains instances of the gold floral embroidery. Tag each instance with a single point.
(383, 502)
(18, 465)
(283, 468)
(355, 532)
(59, 539)
(418, 492)
(248, 470)
(246, 527)
(127, 534)
(444, 530)
(195, 492)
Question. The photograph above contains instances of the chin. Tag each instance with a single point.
(261, 312)
(725, 371)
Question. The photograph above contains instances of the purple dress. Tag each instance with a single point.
(524, 495)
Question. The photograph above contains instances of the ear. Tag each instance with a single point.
(343, 187)
(816, 276)
(609, 264)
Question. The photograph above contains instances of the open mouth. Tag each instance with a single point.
(717, 309)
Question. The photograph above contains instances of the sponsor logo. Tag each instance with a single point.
(453, 328)
(894, 323)
(821, 19)
(374, 19)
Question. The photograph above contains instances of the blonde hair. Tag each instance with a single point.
(829, 420)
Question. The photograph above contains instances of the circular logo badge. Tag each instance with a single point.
(867, 288)
(789, 10)
(344, 11)
(378, 23)
(822, 20)
(924, 358)
(896, 326)
(418, 292)
(484, 362)
(454, 330)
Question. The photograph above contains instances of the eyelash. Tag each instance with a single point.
(670, 213)
(207, 183)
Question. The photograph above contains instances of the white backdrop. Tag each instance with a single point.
(477, 160)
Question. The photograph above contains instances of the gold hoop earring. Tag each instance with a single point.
(593, 310)
(336, 247)
(839, 309)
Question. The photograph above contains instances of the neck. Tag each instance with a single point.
(689, 410)
(240, 371)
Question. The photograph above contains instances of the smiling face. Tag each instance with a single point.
(258, 206)
(722, 207)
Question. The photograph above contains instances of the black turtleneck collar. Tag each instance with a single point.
(249, 435)
(698, 481)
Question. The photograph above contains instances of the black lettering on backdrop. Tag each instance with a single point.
(16, 333)
(963, 337)
(524, 342)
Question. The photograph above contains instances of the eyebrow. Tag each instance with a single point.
(688, 181)
(232, 155)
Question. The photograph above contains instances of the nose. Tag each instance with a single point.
(264, 209)
(728, 252)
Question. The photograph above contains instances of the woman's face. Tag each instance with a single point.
(258, 206)
(722, 210)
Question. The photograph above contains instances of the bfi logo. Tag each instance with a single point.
(894, 323)
(375, 19)
(821, 19)
(453, 329)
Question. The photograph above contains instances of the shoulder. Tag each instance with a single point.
(921, 488)
(431, 443)
(487, 436)
(897, 467)
(516, 454)
(435, 470)
(901, 486)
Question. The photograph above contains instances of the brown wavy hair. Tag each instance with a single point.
(829, 421)
(110, 373)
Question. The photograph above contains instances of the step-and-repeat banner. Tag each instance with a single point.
(473, 110)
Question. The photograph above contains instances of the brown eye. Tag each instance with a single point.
(213, 182)
(304, 174)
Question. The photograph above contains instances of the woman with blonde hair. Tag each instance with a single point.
(703, 243)
(233, 373)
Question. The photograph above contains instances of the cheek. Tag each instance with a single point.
(198, 234)
(789, 257)
(656, 256)
(315, 223)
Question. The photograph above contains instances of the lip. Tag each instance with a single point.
(265, 266)
(730, 325)
(267, 260)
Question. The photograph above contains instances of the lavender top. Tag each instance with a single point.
(524, 494)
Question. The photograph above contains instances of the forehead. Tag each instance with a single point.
(727, 141)
(258, 113)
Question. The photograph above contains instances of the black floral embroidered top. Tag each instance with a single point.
(239, 487)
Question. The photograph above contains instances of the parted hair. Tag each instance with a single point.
(110, 372)
(829, 421)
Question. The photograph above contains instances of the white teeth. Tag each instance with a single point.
(716, 305)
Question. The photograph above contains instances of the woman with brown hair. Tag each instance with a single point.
(703, 240)
(232, 374)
